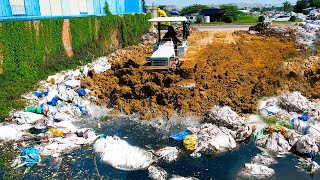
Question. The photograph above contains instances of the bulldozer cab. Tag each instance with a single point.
(166, 52)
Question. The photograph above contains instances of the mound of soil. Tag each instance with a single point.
(235, 73)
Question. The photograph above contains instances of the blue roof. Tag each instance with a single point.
(210, 11)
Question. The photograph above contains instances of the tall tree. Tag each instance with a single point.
(314, 3)
(287, 6)
(301, 4)
(232, 11)
(193, 9)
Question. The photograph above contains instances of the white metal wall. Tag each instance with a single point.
(45, 8)
(56, 9)
(17, 7)
(70, 7)
(90, 7)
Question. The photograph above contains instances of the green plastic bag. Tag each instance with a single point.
(34, 110)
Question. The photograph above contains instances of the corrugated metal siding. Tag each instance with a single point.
(5, 8)
(32, 7)
(55, 6)
(83, 7)
(102, 4)
(70, 7)
(45, 7)
(17, 7)
(90, 7)
(121, 7)
(96, 7)
(133, 6)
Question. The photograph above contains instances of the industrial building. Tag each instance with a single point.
(28, 9)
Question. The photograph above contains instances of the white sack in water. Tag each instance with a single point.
(121, 155)
(8, 133)
(27, 118)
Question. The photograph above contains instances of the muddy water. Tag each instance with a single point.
(80, 163)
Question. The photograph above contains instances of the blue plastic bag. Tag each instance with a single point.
(304, 117)
(53, 102)
(30, 156)
(82, 92)
(180, 136)
(39, 94)
(82, 109)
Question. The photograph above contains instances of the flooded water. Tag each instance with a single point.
(80, 163)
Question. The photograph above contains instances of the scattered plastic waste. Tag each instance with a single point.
(275, 142)
(255, 171)
(157, 173)
(308, 165)
(8, 133)
(40, 94)
(53, 102)
(263, 159)
(56, 132)
(190, 142)
(176, 177)
(82, 92)
(34, 110)
(82, 109)
(180, 136)
(27, 117)
(119, 154)
(167, 154)
(224, 116)
(294, 101)
(306, 147)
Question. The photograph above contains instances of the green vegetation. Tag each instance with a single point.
(261, 18)
(193, 9)
(269, 119)
(303, 4)
(293, 19)
(246, 19)
(7, 154)
(230, 13)
(32, 53)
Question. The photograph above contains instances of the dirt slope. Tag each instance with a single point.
(224, 68)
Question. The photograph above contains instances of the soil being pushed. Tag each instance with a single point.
(236, 72)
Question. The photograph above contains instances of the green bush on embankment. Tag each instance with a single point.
(33, 51)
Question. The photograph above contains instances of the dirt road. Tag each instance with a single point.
(223, 27)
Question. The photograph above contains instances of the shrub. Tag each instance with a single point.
(199, 20)
(293, 18)
(228, 19)
(261, 18)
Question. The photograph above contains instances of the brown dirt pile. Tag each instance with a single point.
(236, 72)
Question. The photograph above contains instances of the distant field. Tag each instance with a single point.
(240, 20)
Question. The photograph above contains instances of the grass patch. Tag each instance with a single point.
(246, 19)
(31, 52)
(269, 120)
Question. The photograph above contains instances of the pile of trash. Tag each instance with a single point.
(287, 124)
(265, 28)
(307, 34)
(50, 116)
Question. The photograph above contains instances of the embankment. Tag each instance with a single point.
(32, 50)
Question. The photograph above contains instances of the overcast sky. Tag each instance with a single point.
(182, 3)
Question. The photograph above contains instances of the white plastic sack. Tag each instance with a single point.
(8, 133)
(65, 127)
(168, 154)
(257, 171)
(157, 173)
(87, 133)
(294, 101)
(57, 148)
(73, 83)
(101, 65)
(176, 177)
(306, 145)
(212, 139)
(27, 117)
(224, 116)
(121, 155)
(275, 142)
(308, 165)
(263, 159)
